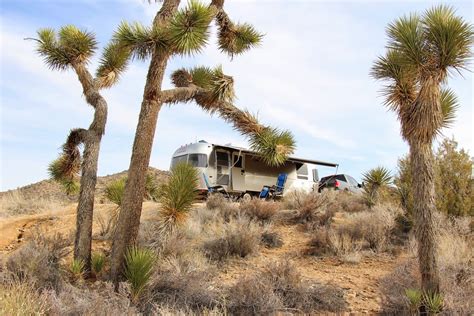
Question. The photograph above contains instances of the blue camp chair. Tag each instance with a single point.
(276, 190)
(214, 189)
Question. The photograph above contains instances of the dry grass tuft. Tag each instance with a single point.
(258, 209)
(237, 238)
(15, 203)
(38, 261)
(20, 298)
(280, 287)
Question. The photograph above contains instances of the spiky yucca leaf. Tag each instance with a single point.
(220, 87)
(274, 146)
(414, 297)
(239, 38)
(114, 191)
(178, 195)
(449, 107)
(71, 46)
(112, 64)
(379, 176)
(406, 36)
(78, 45)
(140, 40)
(433, 302)
(77, 269)
(189, 29)
(138, 269)
(449, 36)
(48, 47)
(65, 173)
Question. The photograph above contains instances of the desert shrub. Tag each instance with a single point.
(375, 226)
(278, 287)
(239, 237)
(38, 261)
(177, 196)
(350, 203)
(320, 243)
(184, 282)
(342, 242)
(138, 269)
(107, 223)
(317, 209)
(293, 199)
(271, 239)
(98, 263)
(98, 300)
(20, 298)
(259, 209)
(216, 201)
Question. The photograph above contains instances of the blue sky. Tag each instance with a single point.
(310, 75)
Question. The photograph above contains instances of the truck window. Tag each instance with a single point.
(198, 160)
(178, 159)
(302, 171)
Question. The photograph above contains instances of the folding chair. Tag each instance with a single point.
(275, 191)
(214, 189)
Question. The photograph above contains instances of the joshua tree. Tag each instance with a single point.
(421, 51)
(184, 32)
(73, 48)
(375, 180)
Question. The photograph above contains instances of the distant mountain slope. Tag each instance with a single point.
(51, 190)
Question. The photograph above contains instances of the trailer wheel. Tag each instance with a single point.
(246, 197)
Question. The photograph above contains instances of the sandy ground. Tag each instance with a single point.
(359, 281)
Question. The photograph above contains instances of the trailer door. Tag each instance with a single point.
(238, 172)
(222, 167)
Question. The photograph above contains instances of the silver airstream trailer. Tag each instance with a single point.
(241, 171)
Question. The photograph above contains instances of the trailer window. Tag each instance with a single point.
(198, 160)
(178, 159)
(302, 171)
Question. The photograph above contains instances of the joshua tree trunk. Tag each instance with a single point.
(421, 157)
(129, 218)
(91, 139)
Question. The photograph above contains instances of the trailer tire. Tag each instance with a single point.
(246, 197)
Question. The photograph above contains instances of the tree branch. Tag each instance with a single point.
(181, 94)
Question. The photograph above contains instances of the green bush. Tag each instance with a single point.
(138, 269)
(453, 184)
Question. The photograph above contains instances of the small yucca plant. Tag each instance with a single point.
(375, 180)
(433, 302)
(414, 297)
(77, 269)
(114, 191)
(177, 196)
(98, 262)
(138, 269)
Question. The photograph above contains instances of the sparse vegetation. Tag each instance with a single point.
(77, 269)
(376, 181)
